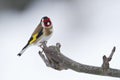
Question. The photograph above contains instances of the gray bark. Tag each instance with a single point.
(55, 59)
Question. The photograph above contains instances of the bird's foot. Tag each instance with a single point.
(42, 44)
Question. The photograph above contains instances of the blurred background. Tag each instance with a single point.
(86, 29)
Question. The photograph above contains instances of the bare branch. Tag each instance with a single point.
(112, 52)
(106, 60)
(60, 62)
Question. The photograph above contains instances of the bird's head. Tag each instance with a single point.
(46, 22)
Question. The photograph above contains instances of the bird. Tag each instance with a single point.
(42, 33)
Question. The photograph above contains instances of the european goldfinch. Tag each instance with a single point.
(42, 33)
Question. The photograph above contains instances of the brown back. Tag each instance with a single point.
(38, 29)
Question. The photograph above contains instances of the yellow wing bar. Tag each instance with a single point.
(34, 38)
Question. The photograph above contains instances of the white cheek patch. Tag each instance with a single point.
(42, 23)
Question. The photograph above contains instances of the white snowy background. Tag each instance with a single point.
(86, 29)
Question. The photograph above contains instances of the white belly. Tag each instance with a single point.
(43, 38)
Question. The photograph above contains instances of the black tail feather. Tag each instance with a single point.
(25, 46)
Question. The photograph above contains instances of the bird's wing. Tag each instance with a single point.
(36, 34)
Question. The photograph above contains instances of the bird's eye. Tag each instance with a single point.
(47, 23)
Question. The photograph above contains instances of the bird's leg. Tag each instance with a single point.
(40, 52)
(44, 59)
(41, 46)
(42, 43)
(45, 42)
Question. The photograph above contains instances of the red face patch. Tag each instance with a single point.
(47, 22)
